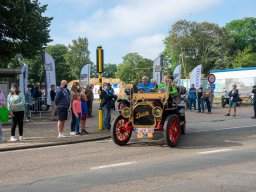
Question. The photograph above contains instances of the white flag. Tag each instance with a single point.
(85, 75)
(195, 76)
(157, 69)
(50, 74)
(23, 83)
(177, 74)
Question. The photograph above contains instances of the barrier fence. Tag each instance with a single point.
(38, 105)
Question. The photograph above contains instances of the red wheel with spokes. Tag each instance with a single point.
(121, 130)
(172, 130)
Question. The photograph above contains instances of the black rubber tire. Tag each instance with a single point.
(114, 135)
(169, 120)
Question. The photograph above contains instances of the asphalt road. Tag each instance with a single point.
(212, 160)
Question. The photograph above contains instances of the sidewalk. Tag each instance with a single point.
(41, 131)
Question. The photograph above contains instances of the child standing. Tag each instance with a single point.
(84, 114)
(77, 110)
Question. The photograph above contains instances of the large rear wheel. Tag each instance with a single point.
(172, 130)
(121, 130)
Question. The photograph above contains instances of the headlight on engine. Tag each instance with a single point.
(126, 112)
(164, 100)
(157, 112)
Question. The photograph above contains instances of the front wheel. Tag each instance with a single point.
(121, 131)
(172, 130)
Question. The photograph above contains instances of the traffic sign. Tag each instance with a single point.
(211, 78)
(212, 86)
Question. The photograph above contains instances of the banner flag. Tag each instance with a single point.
(85, 75)
(50, 74)
(157, 69)
(23, 80)
(195, 76)
(177, 74)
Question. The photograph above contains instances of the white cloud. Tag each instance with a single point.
(135, 17)
(148, 46)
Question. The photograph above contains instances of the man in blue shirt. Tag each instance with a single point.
(146, 86)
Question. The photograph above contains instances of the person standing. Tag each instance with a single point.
(74, 90)
(106, 105)
(207, 98)
(84, 114)
(28, 100)
(62, 101)
(200, 99)
(53, 95)
(77, 110)
(16, 107)
(2, 103)
(254, 101)
(90, 97)
(192, 97)
(36, 94)
(233, 98)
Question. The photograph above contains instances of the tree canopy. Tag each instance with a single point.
(134, 67)
(23, 29)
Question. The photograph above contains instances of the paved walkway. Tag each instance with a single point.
(41, 131)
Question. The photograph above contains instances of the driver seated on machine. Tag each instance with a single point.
(146, 86)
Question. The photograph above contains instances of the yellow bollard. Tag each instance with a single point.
(100, 120)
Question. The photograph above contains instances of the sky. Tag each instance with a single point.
(125, 26)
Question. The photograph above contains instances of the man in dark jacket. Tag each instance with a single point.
(107, 105)
(62, 101)
(200, 99)
(254, 101)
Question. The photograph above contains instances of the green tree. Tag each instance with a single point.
(192, 43)
(23, 29)
(245, 58)
(243, 33)
(110, 70)
(58, 53)
(77, 56)
(134, 67)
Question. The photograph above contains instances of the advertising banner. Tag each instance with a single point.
(157, 69)
(85, 75)
(177, 74)
(50, 74)
(195, 76)
(23, 80)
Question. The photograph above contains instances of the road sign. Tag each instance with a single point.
(212, 86)
(211, 78)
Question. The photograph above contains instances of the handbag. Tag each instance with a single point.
(4, 114)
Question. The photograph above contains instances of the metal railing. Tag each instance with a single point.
(38, 105)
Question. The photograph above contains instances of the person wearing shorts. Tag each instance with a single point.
(233, 98)
(62, 101)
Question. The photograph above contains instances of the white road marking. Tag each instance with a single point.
(214, 151)
(113, 165)
(208, 130)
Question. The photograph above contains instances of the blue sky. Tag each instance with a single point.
(124, 26)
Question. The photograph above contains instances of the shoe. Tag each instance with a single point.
(209, 113)
(234, 115)
(198, 111)
(21, 138)
(254, 117)
(13, 138)
(72, 133)
(77, 134)
(227, 114)
(86, 132)
(61, 136)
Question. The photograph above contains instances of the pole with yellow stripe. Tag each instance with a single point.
(100, 66)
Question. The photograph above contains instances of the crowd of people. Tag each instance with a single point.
(80, 103)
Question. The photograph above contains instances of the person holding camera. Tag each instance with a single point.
(254, 101)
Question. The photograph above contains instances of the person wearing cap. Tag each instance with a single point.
(233, 99)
